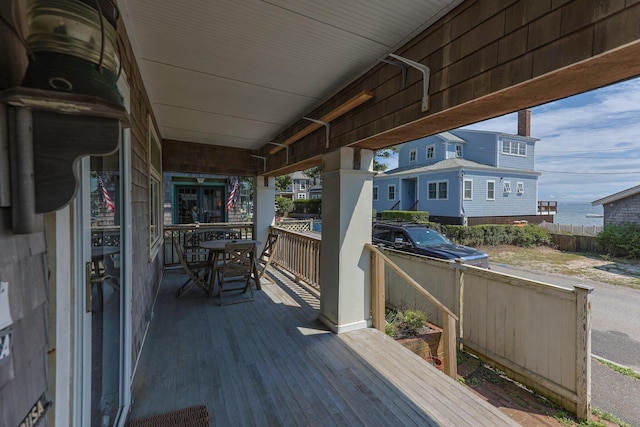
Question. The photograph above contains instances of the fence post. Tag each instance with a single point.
(449, 332)
(583, 351)
(460, 284)
(377, 291)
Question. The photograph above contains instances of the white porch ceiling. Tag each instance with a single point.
(237, 72)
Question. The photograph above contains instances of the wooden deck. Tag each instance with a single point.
(271, 362)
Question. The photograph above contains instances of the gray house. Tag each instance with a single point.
(621, 207)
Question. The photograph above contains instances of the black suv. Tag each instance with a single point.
(420, 239)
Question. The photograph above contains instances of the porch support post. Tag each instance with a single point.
(264, 214)
(345, 264)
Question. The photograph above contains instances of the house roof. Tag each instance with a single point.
(451, 137)
(451, 164)
(617, 196)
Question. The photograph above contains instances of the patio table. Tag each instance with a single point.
(216, 247)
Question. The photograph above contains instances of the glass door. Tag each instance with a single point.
(101, 213)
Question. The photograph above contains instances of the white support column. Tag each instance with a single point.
(345, 273)
(264, 207)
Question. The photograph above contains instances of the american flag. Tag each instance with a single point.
(232, 194)
(111, 207)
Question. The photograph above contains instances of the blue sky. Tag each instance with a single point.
(589, 144)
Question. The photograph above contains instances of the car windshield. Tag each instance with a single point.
(427, 237)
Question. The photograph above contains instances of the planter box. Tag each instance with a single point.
(427, 344)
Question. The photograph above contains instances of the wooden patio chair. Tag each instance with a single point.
(264, 260)
(198, 271)
(236, 270)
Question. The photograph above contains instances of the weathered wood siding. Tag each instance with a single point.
(146, 273)
(213, 159)
(623, 211)
(23, 374)
(528, 329)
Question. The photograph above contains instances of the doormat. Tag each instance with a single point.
(195, 416)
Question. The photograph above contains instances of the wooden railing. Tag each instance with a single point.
(243, 229)
(547, 207)
(299, 254)
(378, 262)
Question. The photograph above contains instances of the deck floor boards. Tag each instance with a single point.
(271, 362)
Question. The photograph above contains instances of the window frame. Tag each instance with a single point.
(514, 148)
(389, 187)
(464, 189)
(459, 151)
(506, 187)
(493, 190)
(520, 187)
(438, 190)
(431, 151)
(376, 193)
(413, 155)
(301, 196)
(156, 203)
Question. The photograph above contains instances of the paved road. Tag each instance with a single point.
(615, 335)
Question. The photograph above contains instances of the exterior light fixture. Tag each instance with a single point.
(75, 47)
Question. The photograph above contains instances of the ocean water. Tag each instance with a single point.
(576, 214)
(568, 214)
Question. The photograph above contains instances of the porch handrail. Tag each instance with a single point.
(299, 254)
(378, 261)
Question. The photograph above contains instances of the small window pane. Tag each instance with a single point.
(433, 193)
(392, 192)
(468, 193)
(430, 152)
(442, 190)
(491, 190)
(375, 193)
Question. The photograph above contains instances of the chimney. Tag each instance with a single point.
(524, 122)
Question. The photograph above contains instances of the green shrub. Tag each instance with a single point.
(493, 235)
(404, 323)
(413, 216)
(621, 241)
(283, 205)
(310, 206)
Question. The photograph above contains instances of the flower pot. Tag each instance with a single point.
(434, 361)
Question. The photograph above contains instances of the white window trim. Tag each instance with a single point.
(413, 152)
(494, 189)
(520, 187)
(394, 191)
(511, 143)
(302, 196)
(433, 151)
(376, 193)
(437, 183)
(459, 155)
(464, 189)
(155, 243)
(506, 187)
(302, 184)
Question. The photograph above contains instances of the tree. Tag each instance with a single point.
(282, 182)
(384, 153)
(314, 173)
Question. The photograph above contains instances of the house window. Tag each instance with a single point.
(438, 190)
(520, 187)
(412, 155)
(491, 190)
(506, 187)
(155, 192)
(468, 189)
(458, 150)
(514, 148)
(431, 150)
(302, 196)
(391, 195)
(302, 184)
(375, 193)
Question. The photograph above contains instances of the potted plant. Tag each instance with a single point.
(411, 329)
